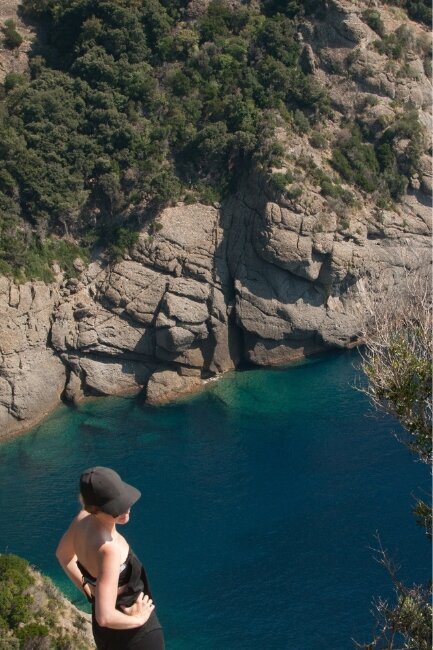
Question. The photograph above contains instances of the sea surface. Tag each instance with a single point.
(261, 500)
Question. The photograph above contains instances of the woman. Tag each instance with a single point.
(99, 562)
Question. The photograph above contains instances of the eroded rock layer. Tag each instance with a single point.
(254, 280)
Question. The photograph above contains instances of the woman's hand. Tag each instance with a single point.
(89, 590)
(106, 613)
(142, 608)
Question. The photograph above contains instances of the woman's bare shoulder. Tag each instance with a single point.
(83, 514)
(67, 544)
(80, 520)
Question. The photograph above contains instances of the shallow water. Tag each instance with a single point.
(261, 500)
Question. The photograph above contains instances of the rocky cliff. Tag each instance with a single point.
(34, 613)
(266, 277)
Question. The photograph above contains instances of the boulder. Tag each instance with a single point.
(167, 385)
(104, 376)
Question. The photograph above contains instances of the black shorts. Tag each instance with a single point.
(147, 637)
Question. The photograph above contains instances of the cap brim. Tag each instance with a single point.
(123, 502)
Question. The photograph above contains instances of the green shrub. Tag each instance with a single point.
(208, 195)
(370, 100)
(155, 227)
(11, 38)
(384, 167)
(41, 256)
(406, 128)
(373, 20)
(301, 122)
(383, 202)
(32, 634)
(356, 161)
(14, 580)
(335, 191)
(395, 45)
(165, 187)
(121, 240)
(397, 183)
(428, 69)
(279, 182)
(329, 188)
(353, 56)
(64, 253)
(417, 9)
(270, 153)
(318, 140)
(189, 199)
(6, 268)
(294, 192)
(22, 625)
(220, 20)
(421, 11)
(12, 80)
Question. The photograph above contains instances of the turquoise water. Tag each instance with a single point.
(261, 499)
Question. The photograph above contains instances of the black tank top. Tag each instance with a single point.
(132, 574)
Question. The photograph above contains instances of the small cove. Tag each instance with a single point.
(261, 499)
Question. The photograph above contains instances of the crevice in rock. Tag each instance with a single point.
(378, 234)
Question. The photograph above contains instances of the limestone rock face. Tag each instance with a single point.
(258, 280)
(32, 376)
(159, 319)
(300, 287)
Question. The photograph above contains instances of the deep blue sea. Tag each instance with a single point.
(261, 500)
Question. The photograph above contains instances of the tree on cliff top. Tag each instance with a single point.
(397, 363)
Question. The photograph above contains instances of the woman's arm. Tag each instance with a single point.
(65, 554)
(106, 593)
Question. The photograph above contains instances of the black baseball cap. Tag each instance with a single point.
(103, 487)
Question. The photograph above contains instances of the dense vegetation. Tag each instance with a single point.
(129, 105)
(378, 166)
(23, 623)
(419, 10)
(132, 104)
